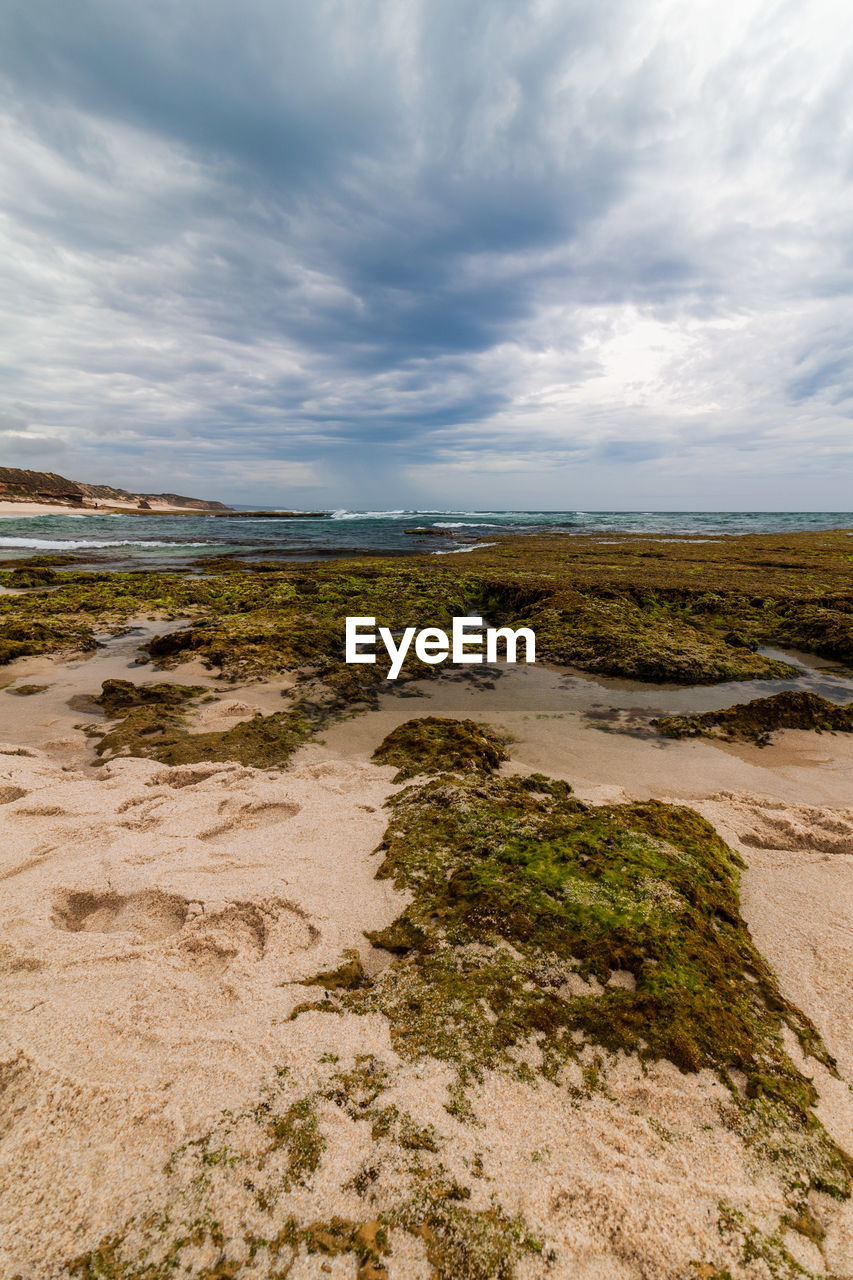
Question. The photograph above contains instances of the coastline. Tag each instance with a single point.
(184, 538)
(12, 509)
(162, 920)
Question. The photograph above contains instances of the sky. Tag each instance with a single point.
(544, 254)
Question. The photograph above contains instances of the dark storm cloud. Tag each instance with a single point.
(251, 243)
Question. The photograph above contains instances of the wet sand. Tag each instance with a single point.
(157, 924)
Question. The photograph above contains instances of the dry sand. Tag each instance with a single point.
(15, 509)
(157, 923)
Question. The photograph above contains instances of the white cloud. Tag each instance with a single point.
(581, 254)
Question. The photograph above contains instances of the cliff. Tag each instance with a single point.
(47, 487)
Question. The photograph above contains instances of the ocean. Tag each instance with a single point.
(157, 541)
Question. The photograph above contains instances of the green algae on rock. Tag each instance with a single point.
(618, 605)
(436, 744)
(30, 576)
(153, 725)
(755, 721)
(614, 635)
(537, 920)
(120, 697)
(345, 976)
(228, 1207)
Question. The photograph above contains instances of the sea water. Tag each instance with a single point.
(155, 541)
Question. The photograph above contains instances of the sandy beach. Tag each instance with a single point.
(159, 924)
(13, 510)
(426, 685)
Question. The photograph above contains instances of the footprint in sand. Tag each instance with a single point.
(142, 813)
(238, 816)
(10, 793)
(769, 824)
(250, 931)
(210, 939)
(149, 915)
(40, 811)
(183, 777)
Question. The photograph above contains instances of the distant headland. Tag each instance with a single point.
(45, 488)
(46, 493)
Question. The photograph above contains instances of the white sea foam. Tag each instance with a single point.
(343, 514)
(408, 512)
(53, 516)
(459, 551)
(68, 544)
(40, 515)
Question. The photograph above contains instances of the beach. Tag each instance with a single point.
(12, 510)
(208, 1064)
(426, 680)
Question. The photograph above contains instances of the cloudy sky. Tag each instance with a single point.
(488, 253)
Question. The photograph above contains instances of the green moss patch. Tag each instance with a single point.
(249, 1165)
(651, 641)
(755, 721)
(537, 920)
(153, 724)
(436, 744)
(31, 576)
(265, 742)
(297, 1132)
(622, 605)
(346, 976)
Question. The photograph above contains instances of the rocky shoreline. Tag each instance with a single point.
(305, 978)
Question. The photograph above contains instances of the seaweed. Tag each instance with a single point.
(153, 724)
(437, 744)
(536, 919)
(30, 576)
(347, 975)
(297, 1132)
(694, 613)
(755, 721)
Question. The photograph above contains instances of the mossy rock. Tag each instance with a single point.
(755, 721)
(348, 975)
(30, 576)
(435, 744)
(738, 640)
(613, 605)
(161, 733)
(118, 697)
(519, 890)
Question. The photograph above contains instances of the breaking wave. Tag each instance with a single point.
(85, 544)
